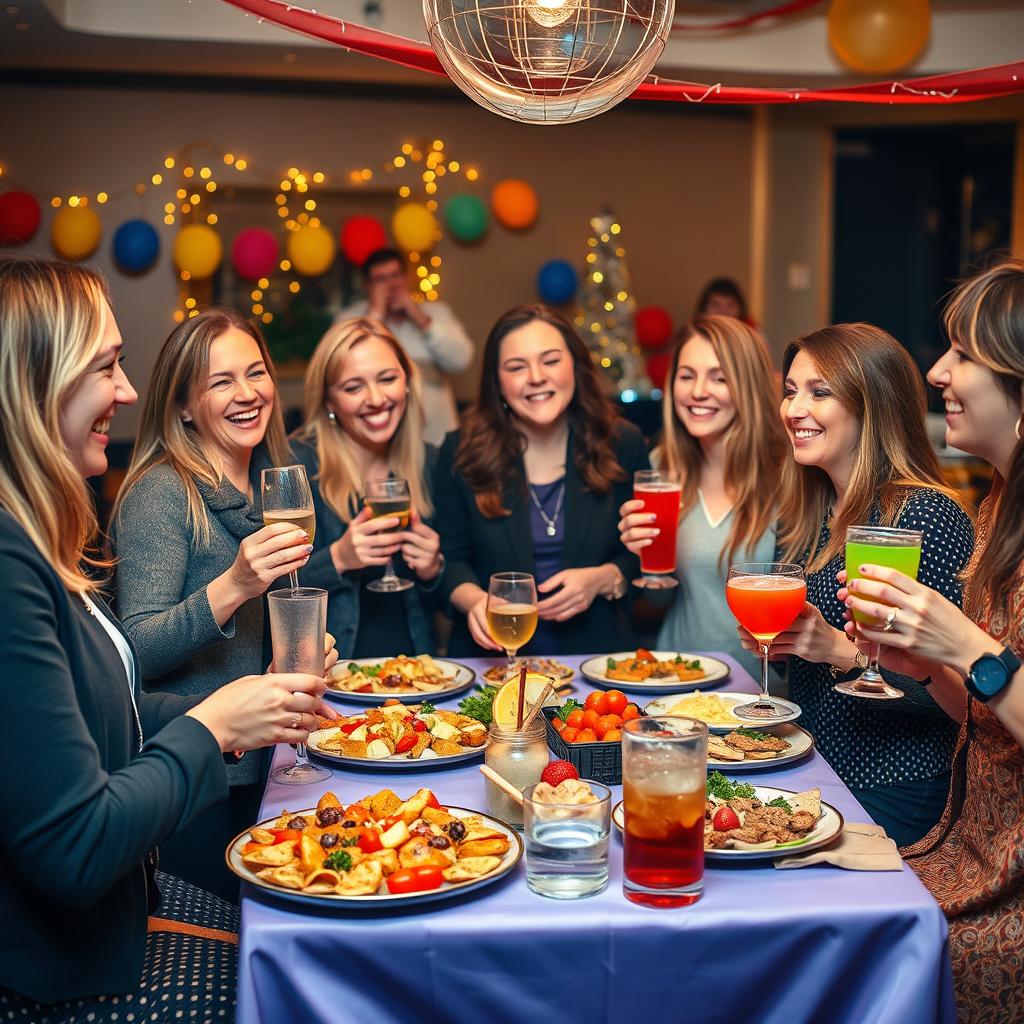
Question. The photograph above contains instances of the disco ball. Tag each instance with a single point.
(548, 61)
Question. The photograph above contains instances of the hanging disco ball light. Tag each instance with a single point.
(548, 61)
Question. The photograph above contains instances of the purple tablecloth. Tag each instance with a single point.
(765, 946)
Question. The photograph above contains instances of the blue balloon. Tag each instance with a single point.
(136, 245)
(557, 282)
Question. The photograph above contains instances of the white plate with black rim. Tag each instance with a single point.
(675, 704)
(801, 744)
(460, 678)
(829, 826)
(427, 761)
(596, 670)
(379, 900)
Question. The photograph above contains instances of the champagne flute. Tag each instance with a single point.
(287, 498)
(389, 496)
(766, 598)
(512, 611)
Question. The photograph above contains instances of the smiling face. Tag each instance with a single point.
(981, 418)
(702, 399)
(822, 431)
(88, 409)
(370, 394)
(231, 408)
(536, 375)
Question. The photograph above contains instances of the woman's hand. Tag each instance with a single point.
(809, 637)
(266, 555)
(635, 528)
(925, 627)
(476, 619)
(258, 711)
(579, 587)
(421, 548)
(366, 542)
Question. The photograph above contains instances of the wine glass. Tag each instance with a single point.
(661, 493)
(894, 549)
(389, 496)
(286, 498)
(766, 598)
(512, 611)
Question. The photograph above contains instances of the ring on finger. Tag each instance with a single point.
(296, 721)
(890, 621)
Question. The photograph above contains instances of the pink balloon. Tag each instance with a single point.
(254, 253)
(360, 236)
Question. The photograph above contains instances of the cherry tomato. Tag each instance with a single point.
(612, 736)
(369, 840)
(391, 702)
(352, 726)
(642, 654)
(629, 712)
(557, 724)
(586, 736)
(591, 718)
(407, 742)
(420, 879)
(286, 835)
(575, 719)
(597, 701)
(606, 722)
(616, 702)
(432, 802)
(419, 725)
(569, 734)
(367, 688)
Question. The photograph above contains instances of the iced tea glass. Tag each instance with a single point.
(664, 779)
(661, 493)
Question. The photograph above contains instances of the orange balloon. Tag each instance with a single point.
(876, 37)
(515, 204)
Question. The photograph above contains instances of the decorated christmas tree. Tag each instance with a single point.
(607, 308)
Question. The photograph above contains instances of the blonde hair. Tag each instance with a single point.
(338, 473)
(874, 379)
(52, 319)
(754, 440)
(164, 438)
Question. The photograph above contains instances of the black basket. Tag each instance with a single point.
(599, 762)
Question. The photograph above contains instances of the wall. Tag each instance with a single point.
(678, 178)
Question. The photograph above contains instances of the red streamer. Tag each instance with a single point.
(793, 7)
(956, 87)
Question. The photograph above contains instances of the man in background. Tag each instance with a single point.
(429, 332)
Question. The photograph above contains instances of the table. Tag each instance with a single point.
(764, 946)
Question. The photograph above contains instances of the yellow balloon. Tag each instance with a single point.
(311, 249)
(75, 232)
(198, 251)
(414, 227)
(877, 37)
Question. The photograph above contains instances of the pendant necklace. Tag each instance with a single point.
(550, 524)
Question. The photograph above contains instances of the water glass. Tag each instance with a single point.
(567, 845)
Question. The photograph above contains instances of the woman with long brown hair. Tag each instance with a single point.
(854, 408)
(723, 438)
(364, 420)
(973, 860)
(532, 483)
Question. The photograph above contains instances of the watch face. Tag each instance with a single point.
(990, 674)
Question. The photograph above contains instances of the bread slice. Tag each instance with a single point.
(809, 800)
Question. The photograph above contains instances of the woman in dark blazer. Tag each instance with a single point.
(533, 483)
(94, 771)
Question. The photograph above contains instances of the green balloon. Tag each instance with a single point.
(466, 217)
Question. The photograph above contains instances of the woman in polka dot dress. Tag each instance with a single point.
(854, 407)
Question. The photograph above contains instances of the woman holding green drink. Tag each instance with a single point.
(853, 407)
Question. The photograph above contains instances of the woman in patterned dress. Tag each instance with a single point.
(973, 860)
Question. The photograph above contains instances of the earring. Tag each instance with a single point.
(185, 418)
(1016, 429)
(332, 417)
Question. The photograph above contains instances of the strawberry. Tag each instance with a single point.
(725, 820)
(558, 771)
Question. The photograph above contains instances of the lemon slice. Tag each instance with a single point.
(506, 701)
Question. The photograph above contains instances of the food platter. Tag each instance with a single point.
(458, 677)
(596, 670)
(801, 744)
(676, 704)
(380, 900)
(556, 670)
(428, 762)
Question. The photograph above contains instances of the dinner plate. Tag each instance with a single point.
(830, 824)
(427, 761)
(661, 706)
(378, 901)
(802, 743)
(462, 677)
(594, 669)
(555, 670)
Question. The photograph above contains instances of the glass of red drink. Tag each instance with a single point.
(766, 598)
(664, 782)
(661, 493)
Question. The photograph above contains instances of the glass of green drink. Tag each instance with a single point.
(894, 549)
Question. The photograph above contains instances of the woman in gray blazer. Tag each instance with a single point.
(193, 556)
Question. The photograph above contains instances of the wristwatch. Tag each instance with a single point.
(860, 661)
(990, 674)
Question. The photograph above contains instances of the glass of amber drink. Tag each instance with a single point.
(661, 493)
(389, 496)
(664, 779)
(512, 611)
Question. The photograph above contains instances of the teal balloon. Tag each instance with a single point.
(466, 218)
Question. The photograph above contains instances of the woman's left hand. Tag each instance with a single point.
(421, 548)
(579, 587)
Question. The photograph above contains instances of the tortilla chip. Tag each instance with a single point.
(270, 856)
(496, 846)
(289, 877)
(311, 854)
(470, 867)
(328, 800)
(388, 860)
(261, 835)
(363, 880)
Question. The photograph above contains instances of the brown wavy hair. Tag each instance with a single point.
(491, 445)
(985, 317)
(874, 379)
(755, 442)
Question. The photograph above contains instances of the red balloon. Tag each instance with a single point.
(657, 368)
(254, 253)
(19, 217)
(653, 326)
(361, 236)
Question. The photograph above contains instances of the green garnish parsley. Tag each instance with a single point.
(426, 708)
(780, 802)
(338, 861)
(478, 705)
(691, 663)
(568, 708)
(727, 789)
(351, 841)
(367, 670)
(752, 734)
(611, 663)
